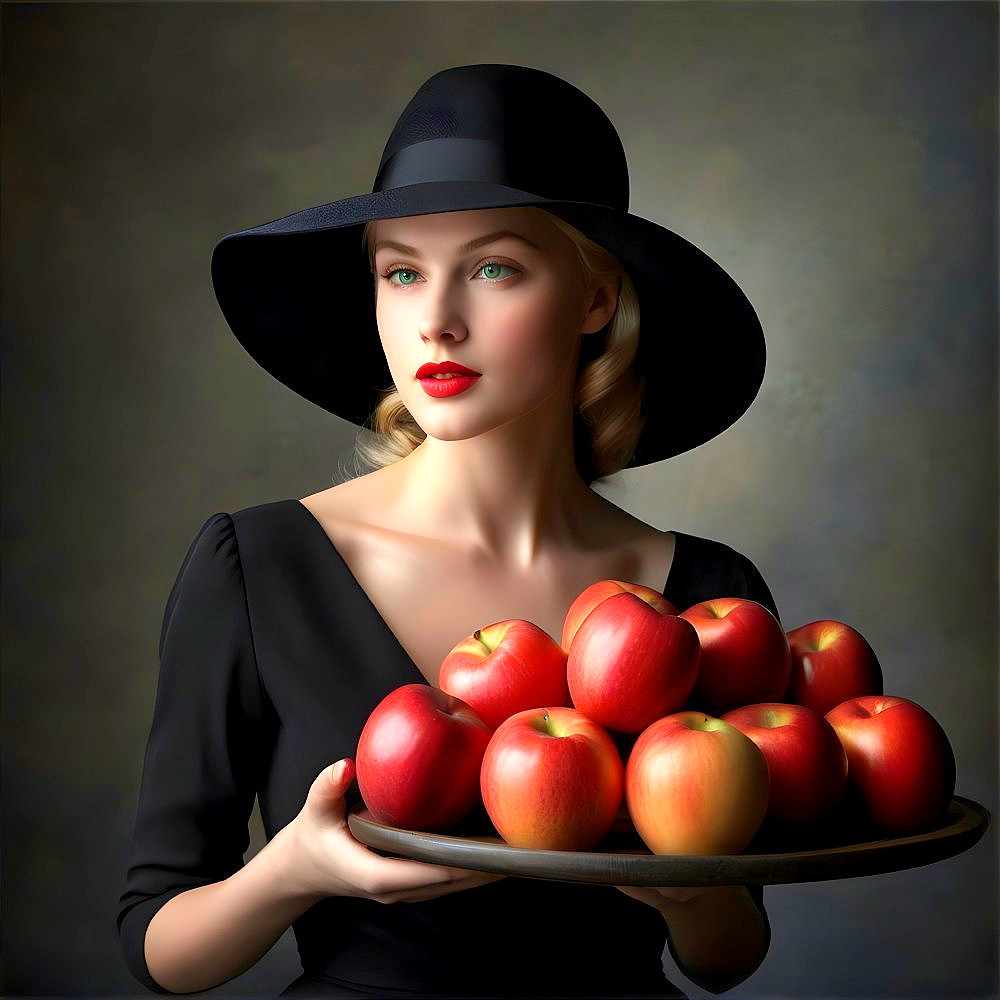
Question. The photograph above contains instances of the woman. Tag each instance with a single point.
(501, 249)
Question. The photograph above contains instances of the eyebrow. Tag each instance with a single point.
(480, 241)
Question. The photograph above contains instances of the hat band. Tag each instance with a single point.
(488, 162)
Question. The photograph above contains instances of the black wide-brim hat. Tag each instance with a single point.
(299, 295)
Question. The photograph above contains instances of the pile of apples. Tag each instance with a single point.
(697, 727)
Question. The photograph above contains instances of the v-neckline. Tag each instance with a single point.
(378, 614)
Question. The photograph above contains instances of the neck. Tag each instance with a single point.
(507, 495)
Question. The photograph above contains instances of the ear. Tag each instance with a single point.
(603, 303)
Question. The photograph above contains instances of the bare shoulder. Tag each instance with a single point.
(363, 524)
(352, 511)
(346, 501)
(631, 548)
(625, 529)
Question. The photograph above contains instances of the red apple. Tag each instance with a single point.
(831, 662)
(552, 779)
(745, 657)
(696, 785)
(506, 668)
(419, 757)
(589, 598)
(629, 664)
(899, 760)
(806, 763)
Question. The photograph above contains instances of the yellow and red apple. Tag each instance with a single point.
(505, 668)
(419, 757)
(831, 663)
(745, 657)
(589, 598)
(552, 779)
(695, 784)
(806, 763)
(898, 759)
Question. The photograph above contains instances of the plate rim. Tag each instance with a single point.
(638, 868)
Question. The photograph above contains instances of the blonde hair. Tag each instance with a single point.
(607, 420)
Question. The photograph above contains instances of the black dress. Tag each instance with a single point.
(271, 659)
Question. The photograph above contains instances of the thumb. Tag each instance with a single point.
(332, 783)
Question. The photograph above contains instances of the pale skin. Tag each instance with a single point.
(491, 516)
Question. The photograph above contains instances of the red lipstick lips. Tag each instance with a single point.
(444, 368)
(461, 378)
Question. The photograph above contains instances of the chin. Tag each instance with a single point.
(456, 425)
(474, 414)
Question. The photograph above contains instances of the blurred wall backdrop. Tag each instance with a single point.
(839, 159)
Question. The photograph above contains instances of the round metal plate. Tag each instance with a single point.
(628, 862)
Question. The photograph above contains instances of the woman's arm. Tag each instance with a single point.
(192, 914)
(717, 936)
(209, 934)
(206, 935)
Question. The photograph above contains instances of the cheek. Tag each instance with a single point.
(533, 330)
(391, 320)
(385, 312)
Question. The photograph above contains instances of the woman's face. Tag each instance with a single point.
(499, 291)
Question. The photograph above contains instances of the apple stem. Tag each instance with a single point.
(478, 636)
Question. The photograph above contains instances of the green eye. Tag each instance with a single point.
(495, 271)
(405, 277)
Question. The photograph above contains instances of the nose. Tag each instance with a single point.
(441, 318)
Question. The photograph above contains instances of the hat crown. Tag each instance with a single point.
(511, 125)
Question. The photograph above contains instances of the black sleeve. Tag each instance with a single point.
(199, 775)
(706, 569)
(754, 587)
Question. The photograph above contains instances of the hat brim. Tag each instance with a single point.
(299, 296)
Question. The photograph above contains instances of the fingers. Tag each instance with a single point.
(682, 893)
(381, 876)
(656, 896)
(644, 894)
(395, 879)
(467, 880)
(342, 865)
(378, 875)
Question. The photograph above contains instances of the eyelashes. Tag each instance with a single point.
(406, 276)
(492, 272)
(497, 265)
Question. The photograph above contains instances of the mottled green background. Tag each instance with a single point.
(839, 159)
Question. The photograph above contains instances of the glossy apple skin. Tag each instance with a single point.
(552, 780)
(898, 758)
(629, 664)
(831, 663)
(589, 598)
(806, 763)
(694, 784)
(419, 757)
(745, 657)
(505, 668)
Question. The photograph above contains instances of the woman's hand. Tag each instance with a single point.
(656, 897)
(717, 935)
(324, 859)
